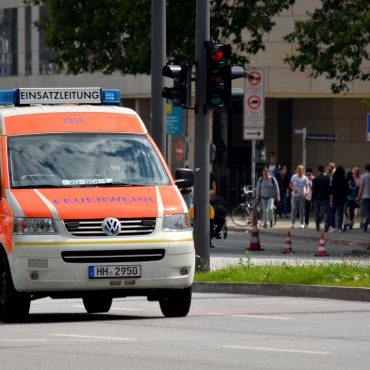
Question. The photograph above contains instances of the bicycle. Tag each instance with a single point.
(242, 214)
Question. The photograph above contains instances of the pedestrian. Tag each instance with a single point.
(299, 186)
(272, 166)
(338, 198)
(283, 179)
(320, 198)
(307, 207)
(364, 194)
(267, 192)
(351, 204)
(360, 211)
(330, 169)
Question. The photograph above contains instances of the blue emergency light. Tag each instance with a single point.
(88, 95)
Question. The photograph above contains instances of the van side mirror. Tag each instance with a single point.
(184, 178)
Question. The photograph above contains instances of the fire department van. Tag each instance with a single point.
(88, 206)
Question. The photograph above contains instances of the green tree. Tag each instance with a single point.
(114, 35)
(333, 42)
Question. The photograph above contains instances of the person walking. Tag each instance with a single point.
(364, 194)
(338, 197)
(307, 206)
(267, 192)
(320, 198)
(299, 186)
(283, 179)
(360, 211)
(351, 204)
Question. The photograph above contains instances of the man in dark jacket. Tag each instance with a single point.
(320, 197)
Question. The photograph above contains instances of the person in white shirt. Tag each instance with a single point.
(307, 207)
(299, 185)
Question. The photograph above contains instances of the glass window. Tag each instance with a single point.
(8, 42)
(46, 54)
(28, 33)
(84, 159)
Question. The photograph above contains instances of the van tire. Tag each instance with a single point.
(97, 303)
(14, 306)
(176, 303)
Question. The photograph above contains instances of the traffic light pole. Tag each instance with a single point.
(202, 130)
(158, 60)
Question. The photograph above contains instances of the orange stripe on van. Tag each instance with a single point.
(72, 122)
(171, 202)
(31, 204)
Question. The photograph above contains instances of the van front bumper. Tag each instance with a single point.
(38, 266)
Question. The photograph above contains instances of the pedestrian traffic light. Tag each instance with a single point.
(218, 75)
(180, 93)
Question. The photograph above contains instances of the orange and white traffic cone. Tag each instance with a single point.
(288, 241)
(322, 251)
(255, 244)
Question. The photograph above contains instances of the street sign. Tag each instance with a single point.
(254, 101)
(174, 120)
(319, 137)
(179, 150)
(253, 133)
(368, 127)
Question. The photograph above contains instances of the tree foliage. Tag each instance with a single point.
(334, 42)
(114, 35)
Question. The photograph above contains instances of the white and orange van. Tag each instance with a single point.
(88, 206)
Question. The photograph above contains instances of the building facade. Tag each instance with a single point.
(293, 100)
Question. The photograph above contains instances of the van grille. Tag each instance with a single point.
(132, 255)
(93, 227)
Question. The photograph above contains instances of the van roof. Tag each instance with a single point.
(69, 118)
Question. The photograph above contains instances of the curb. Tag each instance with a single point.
(287, 290)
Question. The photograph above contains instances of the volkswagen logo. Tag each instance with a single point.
(111, 226)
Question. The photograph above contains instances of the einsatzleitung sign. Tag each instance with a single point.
(254, 105)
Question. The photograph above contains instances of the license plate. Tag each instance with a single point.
(117, 271)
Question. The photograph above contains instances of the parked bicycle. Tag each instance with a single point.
(242, 214)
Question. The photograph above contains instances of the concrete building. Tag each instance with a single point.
(293, 101)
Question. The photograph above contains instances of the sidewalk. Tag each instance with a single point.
(354, 237)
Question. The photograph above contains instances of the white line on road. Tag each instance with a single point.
(90, 337)
(264, 317)
(278, 350)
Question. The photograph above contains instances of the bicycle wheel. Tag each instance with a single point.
(238, 216)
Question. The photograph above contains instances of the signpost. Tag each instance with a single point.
(368, 127)
(174, 124)
(179, 150)
(254, 113)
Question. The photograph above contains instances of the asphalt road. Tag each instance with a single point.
(221, 332)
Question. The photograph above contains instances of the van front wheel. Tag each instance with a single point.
(14, 306)
(176, 303)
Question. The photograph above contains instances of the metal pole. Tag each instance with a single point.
(158, 60)
(202, 129)
(253, 167)
(304, 143)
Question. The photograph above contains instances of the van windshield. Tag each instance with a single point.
(83, 159)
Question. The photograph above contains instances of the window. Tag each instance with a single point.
(83, 159)
(8, 42)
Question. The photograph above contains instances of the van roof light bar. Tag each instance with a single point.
(80, 95)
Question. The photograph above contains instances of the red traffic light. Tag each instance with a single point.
(217, 54)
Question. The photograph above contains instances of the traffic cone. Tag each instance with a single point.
(288, 241)
(322, 251)
(255, 244)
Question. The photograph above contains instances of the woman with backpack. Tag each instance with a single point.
(267, 192)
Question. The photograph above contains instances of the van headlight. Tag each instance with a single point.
(30, 226)
(176, 222)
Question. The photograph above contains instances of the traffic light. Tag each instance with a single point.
(180, 93)
(218, 75)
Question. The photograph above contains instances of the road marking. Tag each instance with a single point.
(264, 317)
(279, 350)
(91, 337)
